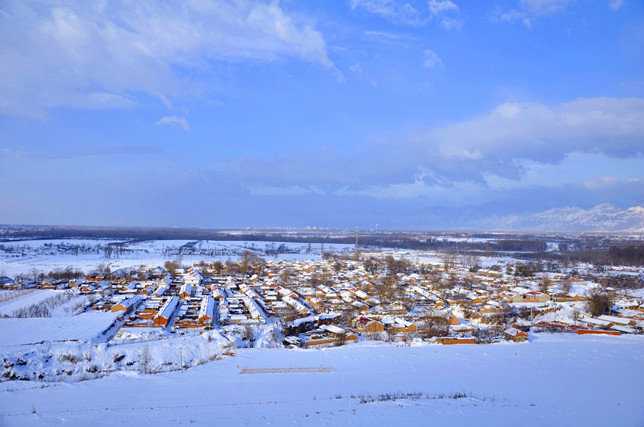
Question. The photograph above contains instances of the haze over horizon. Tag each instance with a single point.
(431, 114)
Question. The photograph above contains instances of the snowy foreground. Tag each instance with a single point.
(563, 380)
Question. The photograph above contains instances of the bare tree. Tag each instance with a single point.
(231, 266)
(599, 302)
(286, 276)
(340, 340)
(544, 283)
(448, 263)
(371, 265)
(565, 288)
(145, 359)
(218, 266)
(249, 334)
(173, 266)
(251, 262)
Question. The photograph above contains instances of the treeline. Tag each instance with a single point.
(58, 274)
(580, 247)
(631, 255)
(626, 255)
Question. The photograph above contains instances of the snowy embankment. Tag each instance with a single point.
(83, 327)
(75, 348)
(553, 380)
(13, 301)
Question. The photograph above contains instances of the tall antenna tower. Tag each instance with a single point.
(357, 239)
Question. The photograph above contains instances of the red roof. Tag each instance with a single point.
(363, 320)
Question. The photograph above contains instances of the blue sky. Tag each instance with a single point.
(318, 113)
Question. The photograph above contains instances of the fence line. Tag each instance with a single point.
(283, 370)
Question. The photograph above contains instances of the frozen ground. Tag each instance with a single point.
(565, 380)
(21, 257)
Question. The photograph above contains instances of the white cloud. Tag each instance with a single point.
(166, 102)
(101, 55)
(401, 12)
(513, 15)
(451, 24)
(495, 148)
(529, 10)
(437, 7)
(601, 182)
(432, 60)
(393, 39)
(174, 121)
(613, 126)
(615, 4)
(393, 10)
(544, 7)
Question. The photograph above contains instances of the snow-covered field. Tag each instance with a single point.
(20, 257)
(564, 379)
(84, 327)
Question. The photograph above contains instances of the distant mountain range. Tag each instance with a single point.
(604, 217)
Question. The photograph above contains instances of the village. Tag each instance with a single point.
(370, 295)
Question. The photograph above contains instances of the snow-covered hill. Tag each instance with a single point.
(564, 379)
(603, 217)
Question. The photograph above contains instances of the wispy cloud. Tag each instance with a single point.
(432, 60)
(404, 13)
(436, 7)
(396, 11)
(389, 38)
(103, 55)
(602, 182)
(615, 4)
(174, 121)
(439, 9)
(544, 7)
(529, 10)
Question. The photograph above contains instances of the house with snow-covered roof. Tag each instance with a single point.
(167, 311)
(192, 277)
(127, 305)
(515, 335)
(367, 324)
(186, 291)
(207, 311)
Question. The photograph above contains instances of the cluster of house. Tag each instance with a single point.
(326, 302)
